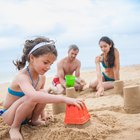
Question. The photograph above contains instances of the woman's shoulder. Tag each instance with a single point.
(116, 52)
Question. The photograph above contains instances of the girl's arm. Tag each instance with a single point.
(43, 98)
(116, 67)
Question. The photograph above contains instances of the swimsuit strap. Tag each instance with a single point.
(103, 63)
(33, 83)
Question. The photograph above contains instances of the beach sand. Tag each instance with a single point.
(109, 121)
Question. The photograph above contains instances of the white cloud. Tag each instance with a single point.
(67, 19)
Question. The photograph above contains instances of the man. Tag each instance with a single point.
(68, 66)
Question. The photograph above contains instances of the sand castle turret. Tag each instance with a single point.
(70, 92)
(132, 99)
(61, 107)
(118, 87)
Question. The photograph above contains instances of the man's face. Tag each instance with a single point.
(72, 54)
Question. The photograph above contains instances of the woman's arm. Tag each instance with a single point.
(100, 87)
(98, 69)
(116, 67)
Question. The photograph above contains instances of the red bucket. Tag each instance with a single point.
(74, 115)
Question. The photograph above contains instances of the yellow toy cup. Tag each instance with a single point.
(70, 80)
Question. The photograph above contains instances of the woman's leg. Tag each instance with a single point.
(93, 85)
(108, 85)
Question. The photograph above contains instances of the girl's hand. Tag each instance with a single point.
(77, 102)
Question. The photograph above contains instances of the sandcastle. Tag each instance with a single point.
(58, 108)
(131, 95)
(132, 99)
(118, 87)
(61, 107)
(70, 92)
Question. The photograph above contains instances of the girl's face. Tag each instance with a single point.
(104, 47)
(43, 63)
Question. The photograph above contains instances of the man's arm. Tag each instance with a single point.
(61, 75)
(77, 71)
(77, 75)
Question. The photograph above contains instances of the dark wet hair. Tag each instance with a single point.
(110, 55)
(29, 45)
(73, 47)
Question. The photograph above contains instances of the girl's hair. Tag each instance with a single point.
(30, 44)
(110, 55)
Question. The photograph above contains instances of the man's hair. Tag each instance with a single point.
(73, 47)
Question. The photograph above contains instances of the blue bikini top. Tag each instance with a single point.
(15, 93)
(20, 94)
(104, 65)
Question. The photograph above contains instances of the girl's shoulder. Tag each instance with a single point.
(19, 78)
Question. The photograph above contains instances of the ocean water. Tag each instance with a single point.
(86, 55)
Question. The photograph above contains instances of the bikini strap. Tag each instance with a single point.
(33, 83)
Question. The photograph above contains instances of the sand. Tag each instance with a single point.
(109, 120)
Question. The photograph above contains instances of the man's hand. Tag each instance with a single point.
(80, 81)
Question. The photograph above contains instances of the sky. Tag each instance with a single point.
(69, 21)
(80, 22)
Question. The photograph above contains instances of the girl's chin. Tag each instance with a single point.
(42, 73)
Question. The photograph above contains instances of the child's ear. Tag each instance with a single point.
(31, 57)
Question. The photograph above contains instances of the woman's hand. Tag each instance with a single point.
(98, 59)
(100, 90)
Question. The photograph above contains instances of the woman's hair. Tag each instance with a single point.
(110, 55)
(46, 48)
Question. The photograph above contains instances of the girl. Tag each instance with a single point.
(110, 61)
(26, 97)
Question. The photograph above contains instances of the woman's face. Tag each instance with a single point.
(104, 47)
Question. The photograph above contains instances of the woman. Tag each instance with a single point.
(111, 63)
